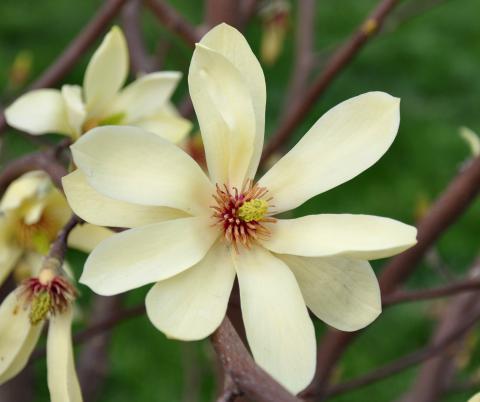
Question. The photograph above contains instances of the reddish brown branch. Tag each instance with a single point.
(237, 363)
(59, 246)
(335, 65)
(76, 48)
(410, 359)
(469, 285)
(305, 32)
(174, 21)
(140, 62)
(41, 160)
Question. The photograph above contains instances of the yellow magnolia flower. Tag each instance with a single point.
(32, 211)
(74, 110)
(475, 398)
(22, 317)
(192, 234)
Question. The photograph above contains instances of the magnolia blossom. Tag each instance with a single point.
(22, 317)
(32, 211)
(192, 234)
(74, 110)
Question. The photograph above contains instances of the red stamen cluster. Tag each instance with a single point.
(61, 293)
(236, 230)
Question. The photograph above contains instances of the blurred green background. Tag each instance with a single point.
(432, 62)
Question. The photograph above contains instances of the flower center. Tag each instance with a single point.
(46, 294)
(241, 214)
(37, 236)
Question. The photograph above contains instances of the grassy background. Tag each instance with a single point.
(432, 62)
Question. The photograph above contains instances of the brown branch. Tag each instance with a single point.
(140, 62)
(59, 245)
(92, 367)
(469, 285)
(174, 21)
(410, 359)
(41, 160)
(447, 209)
(75, 49)
(437, 374)
(237, 363)
(218, 11)
(303, 56)
(333, 67)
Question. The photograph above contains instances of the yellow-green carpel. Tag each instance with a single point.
(40, 307)
(253, 210)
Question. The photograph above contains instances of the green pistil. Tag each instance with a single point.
(40, 307)
(253, 210)
(114, 119)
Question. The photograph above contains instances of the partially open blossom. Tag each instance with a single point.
(193, 234)
(47, 297)
(32, 211)
(275, 23)
(74, 110)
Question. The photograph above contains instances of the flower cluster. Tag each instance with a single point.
(73, 110)
(193, 234)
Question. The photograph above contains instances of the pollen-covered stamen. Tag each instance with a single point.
(46, 294)
(242, 214)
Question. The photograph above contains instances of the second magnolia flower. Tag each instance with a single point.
(193, 234)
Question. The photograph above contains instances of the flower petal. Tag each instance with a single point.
(31, 185)
(86, 237)
(62, 377)
(359, 236)
(192, 304)
(279, 330)
(76, 112)
(39, 112)
(167, 123)
(341, 291)
(146, 95)
(9, 255)
(232, 45)
(224, 108)
(100, 210)
(17, 337)
(142, 168)
(147, 254)
(106, 72)
(344, 142)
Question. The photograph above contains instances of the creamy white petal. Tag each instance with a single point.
(17, 337)
(231, 44)
(146, 95)
(101, 210)
(279, 330)
(62, 377)
(224, 109)
(76, 112)
(147, 254)
(31, 185)
(360, 236)
(9, 255)
(106, 72)
(39, 112)
(173, 128)
(344, 142)
(86, 237)
(192, 304)
(341, 291)
(142, 168)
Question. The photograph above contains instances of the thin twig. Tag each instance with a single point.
(469, 285)
(335, 65)
(299, 77)
(237, 363)
(408, 360)
(140, 62)
(174, 21)
(41, 160)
